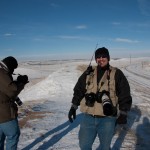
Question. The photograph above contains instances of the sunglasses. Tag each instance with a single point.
(102, 56)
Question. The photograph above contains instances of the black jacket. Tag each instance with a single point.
(122, 89)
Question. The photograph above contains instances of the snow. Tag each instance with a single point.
(47, 100)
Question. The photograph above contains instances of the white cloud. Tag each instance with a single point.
(68, 37)
(126, 40)
(143, 24)
(73, 37)
(81, 27)
(38, 39)
(116, 23)
(8, 34)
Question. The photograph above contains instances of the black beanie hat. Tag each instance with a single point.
(11, 63)
(102, 51)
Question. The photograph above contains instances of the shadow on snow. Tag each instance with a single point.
(134, 116)
(55, 138)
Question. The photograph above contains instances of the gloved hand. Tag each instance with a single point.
(72, 114)
(122, 119)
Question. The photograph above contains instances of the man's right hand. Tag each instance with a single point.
(72, 114)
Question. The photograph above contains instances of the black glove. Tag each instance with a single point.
(22, 79)
(72, 114)
(122, 119)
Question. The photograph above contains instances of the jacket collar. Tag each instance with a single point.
(3, 66)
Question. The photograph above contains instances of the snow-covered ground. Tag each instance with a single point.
(47, 99)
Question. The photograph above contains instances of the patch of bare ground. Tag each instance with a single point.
(31, 115)
(26, 113)
(36, 80)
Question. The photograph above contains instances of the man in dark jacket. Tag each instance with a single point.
(103, 94)
(9, 128)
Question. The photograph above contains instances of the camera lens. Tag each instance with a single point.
(107, 105)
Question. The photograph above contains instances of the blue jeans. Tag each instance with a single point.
(90, 127)
(10, 131)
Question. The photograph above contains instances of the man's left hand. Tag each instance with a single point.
(122, 119)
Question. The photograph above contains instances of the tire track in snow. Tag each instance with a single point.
(137, 74)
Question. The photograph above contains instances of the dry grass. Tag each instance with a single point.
(82, 67)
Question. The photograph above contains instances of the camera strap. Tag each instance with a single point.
(105, 77)
(3, 66)
(16, 74)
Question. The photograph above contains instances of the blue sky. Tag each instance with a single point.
(73, 28)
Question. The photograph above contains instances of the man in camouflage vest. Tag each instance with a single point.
(103, 94)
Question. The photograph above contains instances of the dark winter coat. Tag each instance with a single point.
(122, 89)
(8, 91)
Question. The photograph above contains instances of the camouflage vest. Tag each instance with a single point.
(104, 84)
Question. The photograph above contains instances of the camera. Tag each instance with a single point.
(90, 99)
(100, 97)
(107, 105)
(18, 101)
(103, 97)
(22, 79)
